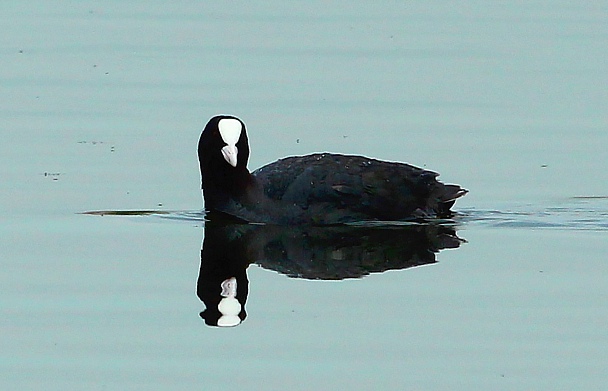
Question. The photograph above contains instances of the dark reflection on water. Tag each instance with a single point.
(320, 253)
(340, 252)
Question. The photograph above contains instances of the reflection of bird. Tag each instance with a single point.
(318, 189)
(222, 283)
(319, 253)
(229, 306)
(340, 252)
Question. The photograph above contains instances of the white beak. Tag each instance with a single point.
(230, 153)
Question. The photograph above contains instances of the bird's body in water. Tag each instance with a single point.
(316, 189)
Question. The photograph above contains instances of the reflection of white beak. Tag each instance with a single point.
(230, 153)
(228, 287)
(229, 306)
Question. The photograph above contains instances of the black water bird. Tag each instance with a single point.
(316, 189)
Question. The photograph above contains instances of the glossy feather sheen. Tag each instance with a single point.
(353, 187)
(319, 189)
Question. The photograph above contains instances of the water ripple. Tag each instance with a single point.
(577, 213)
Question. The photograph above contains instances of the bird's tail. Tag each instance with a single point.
(447, 198)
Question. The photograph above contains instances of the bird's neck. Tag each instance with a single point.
(222, 185)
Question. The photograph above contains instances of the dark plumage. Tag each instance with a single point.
(319, 189)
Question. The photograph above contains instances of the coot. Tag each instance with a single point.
(316, 189)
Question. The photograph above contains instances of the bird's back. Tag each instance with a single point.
(348, 188)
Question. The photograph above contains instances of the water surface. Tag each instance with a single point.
(102, 106)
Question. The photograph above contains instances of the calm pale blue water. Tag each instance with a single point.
(102, 104)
